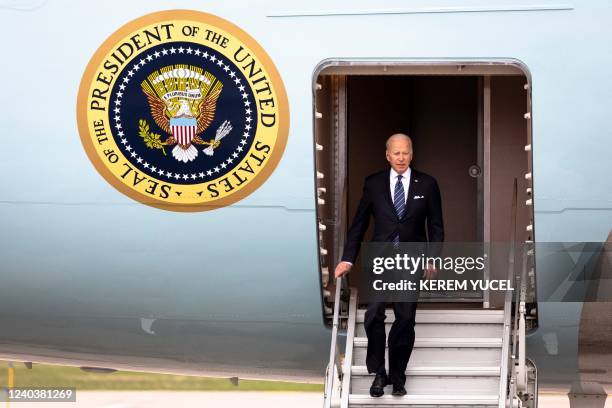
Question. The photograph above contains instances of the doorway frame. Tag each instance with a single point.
(485, 68)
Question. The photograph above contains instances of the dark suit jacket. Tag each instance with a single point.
(376, 200)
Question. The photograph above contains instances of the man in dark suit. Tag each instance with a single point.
(407, 207)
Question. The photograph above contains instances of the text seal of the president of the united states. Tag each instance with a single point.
(183, 111)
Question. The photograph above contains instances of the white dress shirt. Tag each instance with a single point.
(405, 183)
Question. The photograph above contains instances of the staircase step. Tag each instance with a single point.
(446, 316)
(469, 371)
(446, 330)
(444, 342)
(455, 401)
(469, 339)
(435, 385)
(436, 357)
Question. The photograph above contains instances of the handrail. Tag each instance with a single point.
(506, 361)
(514, 356)
(348, 356)
(520, 356)
(334, 365)
(514, 338)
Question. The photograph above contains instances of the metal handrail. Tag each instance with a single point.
(511, 373)
(334, 365)
(513, 352)
(506, 362)
(520, 356)
(348, 356)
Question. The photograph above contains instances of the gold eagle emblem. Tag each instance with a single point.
(183, 101)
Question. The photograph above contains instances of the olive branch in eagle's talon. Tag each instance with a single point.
(152, 140)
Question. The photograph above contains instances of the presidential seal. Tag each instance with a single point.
(183, 111)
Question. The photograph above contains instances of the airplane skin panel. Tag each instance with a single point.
(153, 266)
(91, 277)
(202, 297)
(274, 350)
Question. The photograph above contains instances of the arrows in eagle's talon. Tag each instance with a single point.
(222, 131)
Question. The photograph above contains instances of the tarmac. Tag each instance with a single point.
(221, 399)
(179, 399)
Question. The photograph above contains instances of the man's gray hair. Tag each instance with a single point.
(397, 136)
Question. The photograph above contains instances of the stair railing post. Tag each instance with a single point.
(334, 367)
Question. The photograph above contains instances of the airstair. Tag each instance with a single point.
(462, 357)
(456, 360)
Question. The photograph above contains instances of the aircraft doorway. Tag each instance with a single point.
(469, 131)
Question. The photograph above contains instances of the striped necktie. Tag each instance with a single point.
(399, 202)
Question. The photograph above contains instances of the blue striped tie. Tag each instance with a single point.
(399, 202)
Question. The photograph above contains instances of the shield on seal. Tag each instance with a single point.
(183, 130)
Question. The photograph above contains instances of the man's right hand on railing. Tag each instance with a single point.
(343, 268)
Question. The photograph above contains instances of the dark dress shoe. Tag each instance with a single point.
(378, 385)
(398, 390)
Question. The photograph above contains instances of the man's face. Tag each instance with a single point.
(399, 154)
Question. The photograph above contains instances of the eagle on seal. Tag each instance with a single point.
(183, 103)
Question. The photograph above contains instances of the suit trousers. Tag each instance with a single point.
(401, 339)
